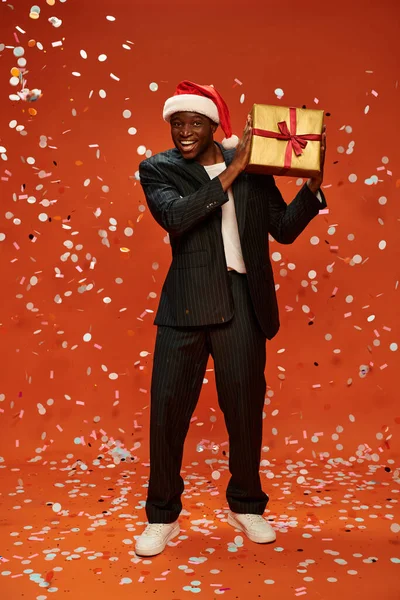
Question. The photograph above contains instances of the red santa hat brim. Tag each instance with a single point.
(190, 103)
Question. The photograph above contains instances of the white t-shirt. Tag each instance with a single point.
(229, 227)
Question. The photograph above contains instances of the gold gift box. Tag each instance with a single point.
(267, 155)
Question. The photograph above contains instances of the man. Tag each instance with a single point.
(218, 297)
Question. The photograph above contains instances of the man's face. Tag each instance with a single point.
(192, 133)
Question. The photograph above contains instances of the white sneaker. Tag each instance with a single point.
(254, 526)
(155, 537)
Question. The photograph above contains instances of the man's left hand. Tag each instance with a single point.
(315, 182)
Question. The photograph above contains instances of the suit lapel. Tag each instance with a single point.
(192, 167)
(199, 173)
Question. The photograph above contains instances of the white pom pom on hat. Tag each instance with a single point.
(205, 100)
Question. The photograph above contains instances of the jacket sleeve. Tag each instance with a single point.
(287, 221)
(177, 214)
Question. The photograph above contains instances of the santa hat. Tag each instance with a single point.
(205, 100)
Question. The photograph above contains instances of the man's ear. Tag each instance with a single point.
(214, 126)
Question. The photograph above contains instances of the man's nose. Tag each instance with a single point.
(186, 131)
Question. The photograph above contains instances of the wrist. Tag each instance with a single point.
(314, 185)
(235, 168)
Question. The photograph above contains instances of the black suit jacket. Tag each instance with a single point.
(187, 204)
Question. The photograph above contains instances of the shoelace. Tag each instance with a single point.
(154, 529)
(255, 518)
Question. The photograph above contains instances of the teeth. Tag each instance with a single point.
(187, 143)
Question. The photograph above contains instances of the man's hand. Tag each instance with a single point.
(241, 158)
(242, 154)
(315, 182)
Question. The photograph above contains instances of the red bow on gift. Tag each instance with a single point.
(296, 142)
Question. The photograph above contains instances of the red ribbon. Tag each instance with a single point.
(296, 142)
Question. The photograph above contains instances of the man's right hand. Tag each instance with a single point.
(241, 158)
(242, 154)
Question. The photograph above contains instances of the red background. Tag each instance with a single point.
(337, 53)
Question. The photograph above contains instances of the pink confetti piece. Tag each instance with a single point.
(17, 443)
(98, 346)
(346, 315)
(374, 93)
(383, 366)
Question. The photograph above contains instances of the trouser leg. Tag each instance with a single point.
(239, 352)
(180, 360)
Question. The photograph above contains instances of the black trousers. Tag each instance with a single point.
(238, 348)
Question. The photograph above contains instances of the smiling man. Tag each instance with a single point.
(218, 298)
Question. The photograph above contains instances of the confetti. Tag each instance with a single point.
(78, 307)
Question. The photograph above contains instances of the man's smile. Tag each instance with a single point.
(187, 145)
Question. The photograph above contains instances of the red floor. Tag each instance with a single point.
(334, 533)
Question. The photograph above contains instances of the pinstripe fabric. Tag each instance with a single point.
(187, 204)
(180, 359)
(204, 309)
